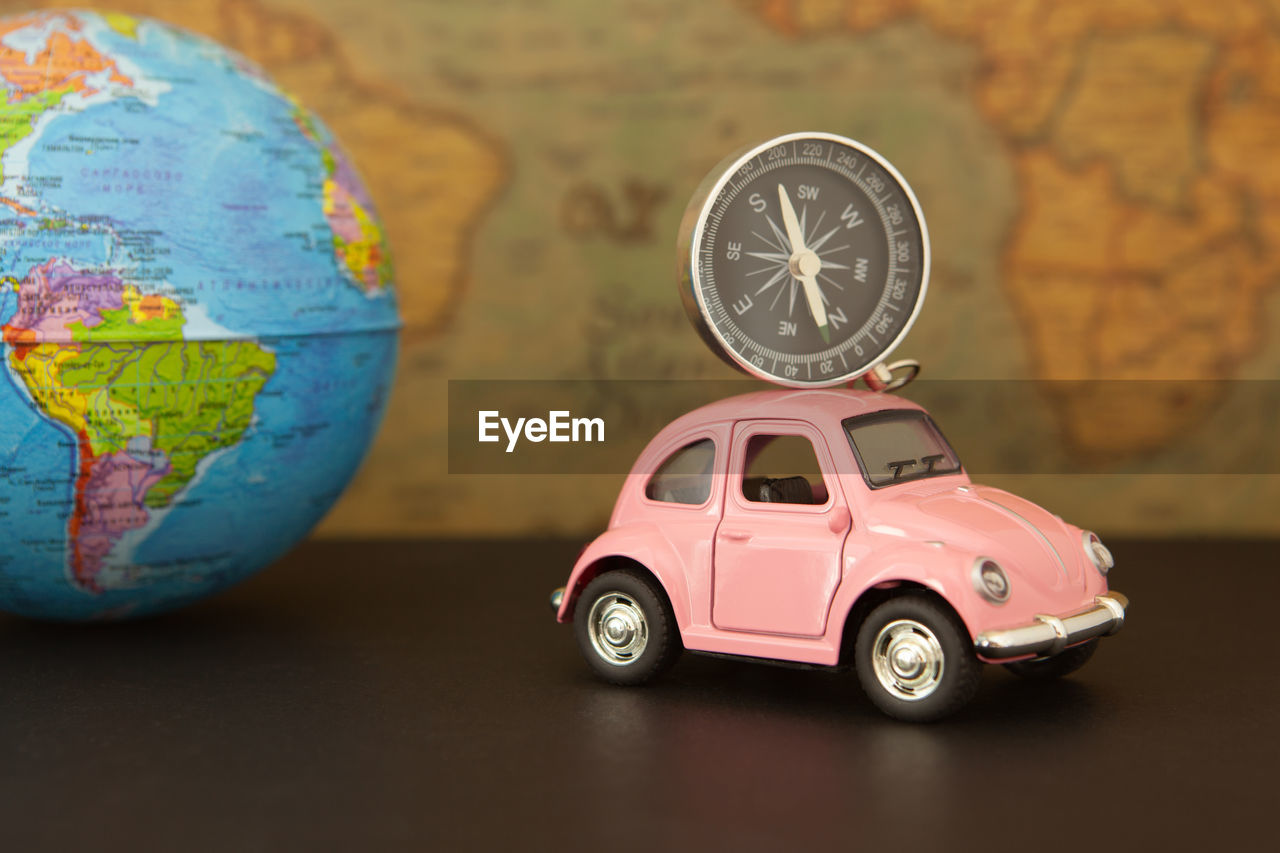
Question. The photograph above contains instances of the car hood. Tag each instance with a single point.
(1030, 542)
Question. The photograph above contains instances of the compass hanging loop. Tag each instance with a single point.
(891, 377)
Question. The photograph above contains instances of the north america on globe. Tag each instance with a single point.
(197, 310)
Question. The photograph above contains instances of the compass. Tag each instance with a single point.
(804, 260)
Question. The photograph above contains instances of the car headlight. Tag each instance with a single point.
(1097, 553)
(990, 580)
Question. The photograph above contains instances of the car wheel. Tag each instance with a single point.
(1063, 663)
(915, 660)
(625, 627)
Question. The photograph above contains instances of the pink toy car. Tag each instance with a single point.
(827, 528)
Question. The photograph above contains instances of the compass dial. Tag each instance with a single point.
(805, 259)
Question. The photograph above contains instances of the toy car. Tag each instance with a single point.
(828, 528)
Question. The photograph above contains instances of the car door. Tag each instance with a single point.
(778, 546)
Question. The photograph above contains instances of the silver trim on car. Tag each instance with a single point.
(1049, 634)
(557, 596)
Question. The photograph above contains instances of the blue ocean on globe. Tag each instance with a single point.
(198, 313)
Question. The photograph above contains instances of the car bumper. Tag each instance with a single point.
(557, 597)
(1048, 635)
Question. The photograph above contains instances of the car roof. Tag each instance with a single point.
(814, 406)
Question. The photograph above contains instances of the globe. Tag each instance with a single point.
(199, 323)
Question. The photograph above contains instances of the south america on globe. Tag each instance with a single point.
(199, 325)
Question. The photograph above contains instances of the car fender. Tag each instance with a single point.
(933, 567)
(643, 543)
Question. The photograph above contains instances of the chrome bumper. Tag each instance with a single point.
(557, 596)
(1048, 635)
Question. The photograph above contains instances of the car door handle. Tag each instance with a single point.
(839, 520)
(736, 535)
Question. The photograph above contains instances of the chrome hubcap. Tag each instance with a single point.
(908, 659)
(617, 628)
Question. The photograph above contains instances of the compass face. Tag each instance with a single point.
(805, 259)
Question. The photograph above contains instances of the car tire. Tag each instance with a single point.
(625, 627)
(1063, 663)
(915, 660)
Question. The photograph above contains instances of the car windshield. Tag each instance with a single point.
(897, 446)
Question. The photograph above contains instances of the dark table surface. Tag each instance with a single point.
(375, 695)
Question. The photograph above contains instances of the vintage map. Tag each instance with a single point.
(1100, 178)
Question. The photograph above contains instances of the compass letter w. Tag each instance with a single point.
(851, 217)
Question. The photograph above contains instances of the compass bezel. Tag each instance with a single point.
(692, 231)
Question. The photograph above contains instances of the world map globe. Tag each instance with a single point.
(199, 323)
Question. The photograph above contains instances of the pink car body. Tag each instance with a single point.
(782, 580)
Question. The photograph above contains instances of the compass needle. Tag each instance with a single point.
(821, 241)
(767, 240)
(822, 214)
(778, 276)
(804, 264)
(831, 281)
(795, 234)
(778, 232)
(817, 306)
(778, 296)
(759, 247)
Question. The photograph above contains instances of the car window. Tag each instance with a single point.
(897, 446)
(685, 477)
(782, 469)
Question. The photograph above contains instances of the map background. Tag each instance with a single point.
(531, 162)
